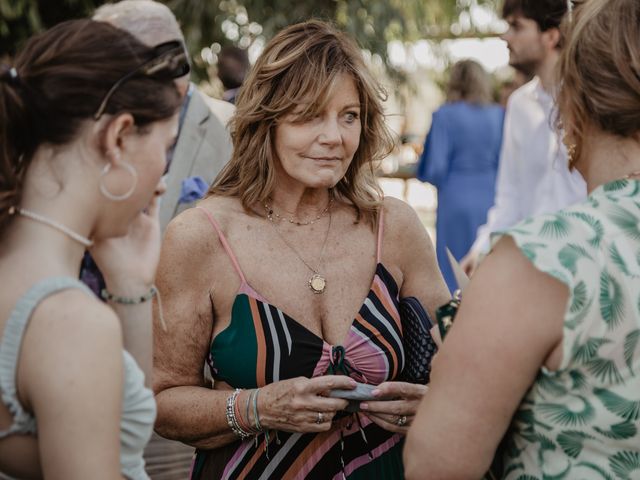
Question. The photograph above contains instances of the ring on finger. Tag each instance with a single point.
(402, 421)
(320, 418)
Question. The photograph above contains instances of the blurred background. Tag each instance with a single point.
(409, 44)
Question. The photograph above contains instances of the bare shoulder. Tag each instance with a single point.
(191, 235)
(397, 211)
(75, 332)
(402, 224)
(189, 231)
(408, 247)
(74, 311)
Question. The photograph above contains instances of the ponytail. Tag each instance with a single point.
(14, 128)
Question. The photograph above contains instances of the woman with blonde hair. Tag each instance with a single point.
(460, 158)
(286, 280)
(546, 347)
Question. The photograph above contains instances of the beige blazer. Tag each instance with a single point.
(204, 147)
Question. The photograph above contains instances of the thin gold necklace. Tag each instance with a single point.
(317, 282)
(273, 213)
(632, 174)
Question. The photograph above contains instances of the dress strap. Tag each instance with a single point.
(380, 234)
(225, 244)
(11, 344)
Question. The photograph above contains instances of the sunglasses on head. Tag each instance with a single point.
(169, 60)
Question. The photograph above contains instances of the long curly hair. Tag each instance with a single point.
(298, 66)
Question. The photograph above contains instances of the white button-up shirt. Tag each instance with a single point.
(533, 175)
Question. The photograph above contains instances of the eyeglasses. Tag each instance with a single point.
(170, 60)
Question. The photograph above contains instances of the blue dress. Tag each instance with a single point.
(460, 159)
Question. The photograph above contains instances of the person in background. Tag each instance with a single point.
(204, 144)
(287, 279)
(87, 115)
(460, 158)
(202, 149)
(532, 177)
(547, 337)
(233, 66)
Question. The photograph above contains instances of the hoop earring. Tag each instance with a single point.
(118, 198)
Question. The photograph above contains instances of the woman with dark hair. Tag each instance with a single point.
(87, 114)
(460, 159)
(546, 346)
(286, 280)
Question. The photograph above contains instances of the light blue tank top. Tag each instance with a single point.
(138, 408)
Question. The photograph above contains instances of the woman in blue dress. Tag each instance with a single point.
(460, 159)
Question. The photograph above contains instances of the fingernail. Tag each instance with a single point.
(354, 383)
(364, 406)
(376, 392)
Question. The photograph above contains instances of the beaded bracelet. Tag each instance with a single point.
(110, 297)
(232, 420)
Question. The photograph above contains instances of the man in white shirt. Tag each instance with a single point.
(533, 176)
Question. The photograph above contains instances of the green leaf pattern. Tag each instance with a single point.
(583, 421)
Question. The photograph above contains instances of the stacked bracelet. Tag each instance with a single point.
(235, 420)
(110, 297)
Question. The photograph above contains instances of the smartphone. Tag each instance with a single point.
(362, 392)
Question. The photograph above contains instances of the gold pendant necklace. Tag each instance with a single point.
(317, 282)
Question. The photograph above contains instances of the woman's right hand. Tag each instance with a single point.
(129, 263)
(300, 404)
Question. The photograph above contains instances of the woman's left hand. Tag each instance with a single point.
(397, 405)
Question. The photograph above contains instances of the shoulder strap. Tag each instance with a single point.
(380, 234)
(12, 342)
(225, 244)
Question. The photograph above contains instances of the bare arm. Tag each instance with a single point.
(416, 257)
(502, 336)
(188, 410)
(129, 265)
(76, 394)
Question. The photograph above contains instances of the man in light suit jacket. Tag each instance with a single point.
(204, 143)
(202, 149)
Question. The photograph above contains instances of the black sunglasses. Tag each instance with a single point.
(170, 60)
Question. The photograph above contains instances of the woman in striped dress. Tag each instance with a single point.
(286, 281)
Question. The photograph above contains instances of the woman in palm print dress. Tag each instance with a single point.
(545, 346)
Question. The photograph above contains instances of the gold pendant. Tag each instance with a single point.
(317, 283)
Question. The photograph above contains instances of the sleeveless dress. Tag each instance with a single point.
(582, 421)
(262, 344)
(138, 406)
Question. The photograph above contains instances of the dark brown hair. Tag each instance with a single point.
(546, 13)
(298, 67)
(600, 71)
(58, 81)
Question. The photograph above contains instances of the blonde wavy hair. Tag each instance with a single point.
(298, 68)
(600, 71)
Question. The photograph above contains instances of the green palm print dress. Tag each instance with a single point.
(581, 422)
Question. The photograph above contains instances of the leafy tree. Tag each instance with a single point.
(372, 22)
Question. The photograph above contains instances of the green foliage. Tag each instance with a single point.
(372, 22)
(20, 19)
